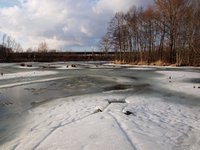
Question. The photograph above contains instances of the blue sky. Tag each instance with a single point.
(62, 24)
(8, 3)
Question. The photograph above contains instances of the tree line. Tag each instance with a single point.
(9, 45)
(8, 42)
(57, 56)
(9, 49)
(166, 32)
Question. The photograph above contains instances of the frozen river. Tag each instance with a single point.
(57, 106)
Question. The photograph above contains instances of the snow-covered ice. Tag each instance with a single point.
(142, 68)
(29, 82)
(177, 81)
(75, 123)
(161, 116)
(63, 67)
(25, 67)
(26, 74)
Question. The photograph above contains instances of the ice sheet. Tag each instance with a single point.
(114, 120)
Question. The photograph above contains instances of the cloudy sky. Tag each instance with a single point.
(62, 24)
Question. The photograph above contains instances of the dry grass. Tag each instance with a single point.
(160, 63)
(118, 62)
(142, 63)
(157, 63)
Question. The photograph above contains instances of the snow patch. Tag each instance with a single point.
(175, 80)
(29, 82)
(27, 74)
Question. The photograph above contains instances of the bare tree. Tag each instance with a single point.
(4, 40)
(42, 47)
(116, 34)
(168, 31)
(172, 12)
(104, 44)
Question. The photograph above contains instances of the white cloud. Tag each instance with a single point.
(65, 29)
(61, 23)
(111, 6)
(85, 31)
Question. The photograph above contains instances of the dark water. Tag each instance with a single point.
(194, 80)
